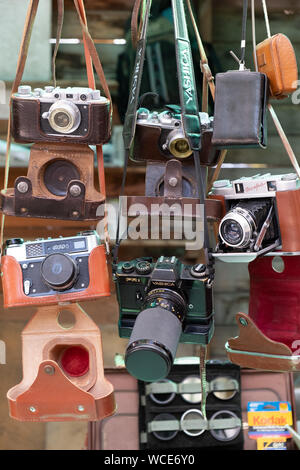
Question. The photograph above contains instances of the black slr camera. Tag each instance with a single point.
(77, 115)
(161, 304)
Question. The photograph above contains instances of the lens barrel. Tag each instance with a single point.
(155, 336)
(242, 221)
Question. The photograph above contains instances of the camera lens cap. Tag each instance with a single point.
(14, 241)
(143, 267)
(59, 271)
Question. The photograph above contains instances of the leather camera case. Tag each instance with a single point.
(39, 201)
(12, 283)
(275, 299)
(26, 125)
(240, 110)
(51, 392)
(147, 147)
(276, 58)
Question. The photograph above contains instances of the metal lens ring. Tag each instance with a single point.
(169, 300)
(225, 435)
(192, 397)
(178, 144)
(236, 228)
(163, 398)
(223, 388)
(64, 117)
(190, 415)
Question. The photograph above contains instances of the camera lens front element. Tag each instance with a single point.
(236, 228)
(59, 271)
(178, 145)
(64, 117)
(155, 336)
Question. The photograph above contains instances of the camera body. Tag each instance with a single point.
(161, 304)
(54, 270)
(75, 115)
(161, 135)
(255, 212)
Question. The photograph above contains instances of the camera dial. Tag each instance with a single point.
(59, 271)
(127, 267)
(143, 267)
(63, 116)
(14, 241)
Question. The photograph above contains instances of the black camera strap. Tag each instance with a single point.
(188, 102)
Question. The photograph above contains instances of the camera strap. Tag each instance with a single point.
(29, 21)
(208, 82)
(279, 128)
(188, 100)
(22, 57)
(92, 58)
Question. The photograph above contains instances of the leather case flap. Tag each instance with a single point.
(240, 110)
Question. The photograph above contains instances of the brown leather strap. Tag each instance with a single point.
(89, 53)
(23, 52)
(284, 140)
(274, 116)
(60, 22)
(134, 22)
(92, 50)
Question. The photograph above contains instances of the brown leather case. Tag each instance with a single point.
(46, 392)
(156, 202)
(38, 201)
(146, 147)
(276, 58)
(288, 207)
(12, 283)
(26, 127)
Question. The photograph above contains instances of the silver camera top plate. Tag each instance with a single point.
(258, 186)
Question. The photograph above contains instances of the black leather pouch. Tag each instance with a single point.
(240, 110)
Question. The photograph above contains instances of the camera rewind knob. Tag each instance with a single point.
(198, 270)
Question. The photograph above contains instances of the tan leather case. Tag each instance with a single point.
(276, 58)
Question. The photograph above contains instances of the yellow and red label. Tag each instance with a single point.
(269, 419)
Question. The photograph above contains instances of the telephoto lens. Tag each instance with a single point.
(155, 336)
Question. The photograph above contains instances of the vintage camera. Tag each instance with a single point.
(161, 135)
(161, 304)
(255, 213)
(79, 115)
(53, 270)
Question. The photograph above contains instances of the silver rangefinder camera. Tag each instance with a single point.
(251, 224)
(72, 114)
(160, 135)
